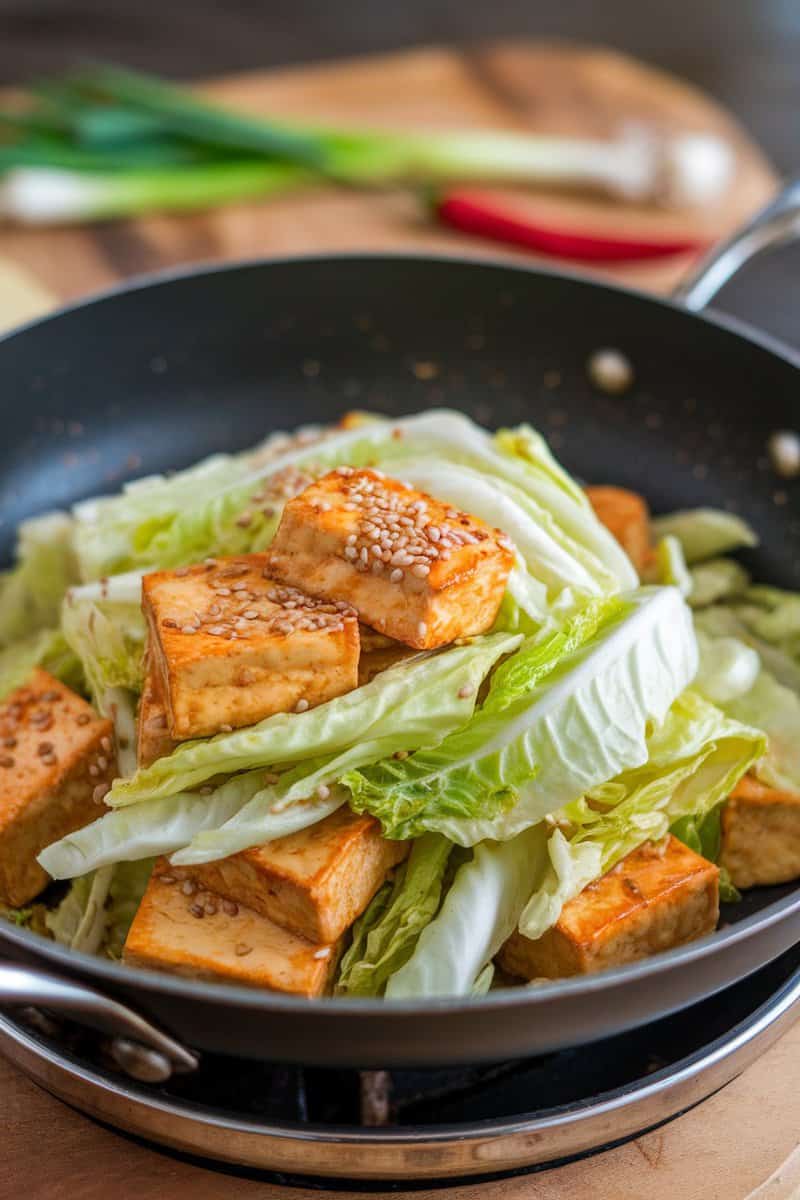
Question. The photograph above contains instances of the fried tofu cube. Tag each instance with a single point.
(314, 882)
(659, 896)
(231, 646)
(417, 570)
(627, 516)
(202, 936)
(761, 835)
(57, 761)
(153, 739)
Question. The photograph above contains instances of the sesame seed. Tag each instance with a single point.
(94, 770)
(230, 907)
(167, 878)
(100, 792)
(323, 791)
(422, 629)
(188, 887)
(105, 744)
(239, 587)
(241, 949)
(250, 614)
(420, 570)
(197, 910)
(301, 706)
(210, 908)
(102, 762)
(396, 575)
(226, 729)
(188, 629)
(223, 591)
(464, 691)
(323, 952)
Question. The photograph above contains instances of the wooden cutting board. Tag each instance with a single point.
(740, 1138)
(550, 88)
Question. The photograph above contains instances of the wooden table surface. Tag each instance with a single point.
(738, 1139)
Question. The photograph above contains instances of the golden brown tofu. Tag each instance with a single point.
(761, 835)
(627, 516)
(153, 739)
(416, 570)
(657, 897)
(231, 646)
(314, 882)
(57, 761)
(202, 936)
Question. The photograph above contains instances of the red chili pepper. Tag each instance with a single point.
(473, 212)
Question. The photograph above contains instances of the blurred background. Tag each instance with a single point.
(742, 54)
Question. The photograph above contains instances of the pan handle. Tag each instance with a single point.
(773, 226)
(139, 1048)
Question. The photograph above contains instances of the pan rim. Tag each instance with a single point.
(253, 1000)
(727, 322)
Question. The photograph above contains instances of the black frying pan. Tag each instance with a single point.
(160, 373)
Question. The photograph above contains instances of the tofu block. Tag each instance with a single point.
(314, 882)
(761, 835)
(153, 739)
(57, 761)
(659, 896)
(416, 570)
(231, 646)
(202, 936)
(627, 516)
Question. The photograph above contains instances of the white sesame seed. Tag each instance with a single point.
(396, 575)
(323, 952)
(420, 570)
(323, 791)
(188, 887)
(464, 691)
(188, 629)
(301, 706)
(422, 629)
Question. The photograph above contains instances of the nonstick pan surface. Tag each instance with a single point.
(159, 374)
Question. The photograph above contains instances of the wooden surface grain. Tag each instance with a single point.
(518, 86)
(740, 1137)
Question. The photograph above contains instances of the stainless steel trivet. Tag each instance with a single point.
(760, 1010)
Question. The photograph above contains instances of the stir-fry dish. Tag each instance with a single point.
(392, 708)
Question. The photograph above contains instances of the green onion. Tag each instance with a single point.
(111, 142)
(48, 196)
(178, 111)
